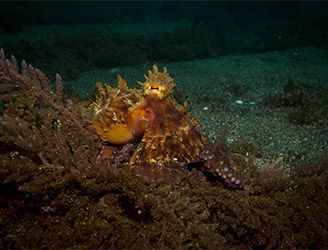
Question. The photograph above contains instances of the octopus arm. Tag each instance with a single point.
(170, 138)
(118, 134)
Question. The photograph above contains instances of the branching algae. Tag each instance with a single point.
(69, 177)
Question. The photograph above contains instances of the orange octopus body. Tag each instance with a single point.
(166, 132)
(131, 129)
(139, 119)
(171, 135)
(168, 136)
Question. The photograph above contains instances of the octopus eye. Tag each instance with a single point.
(155, 88)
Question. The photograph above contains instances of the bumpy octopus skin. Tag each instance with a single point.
(111, 119)
(168, 136)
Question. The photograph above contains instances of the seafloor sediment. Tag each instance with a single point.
(237, 95)
(57, 194)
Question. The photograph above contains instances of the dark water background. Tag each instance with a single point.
(215, 29)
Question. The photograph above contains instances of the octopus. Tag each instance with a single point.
(149, 130)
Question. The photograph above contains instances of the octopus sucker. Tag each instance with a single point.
(167, 135)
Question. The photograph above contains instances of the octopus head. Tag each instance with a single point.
(158, 85)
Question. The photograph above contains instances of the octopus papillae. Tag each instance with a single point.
(147, 129)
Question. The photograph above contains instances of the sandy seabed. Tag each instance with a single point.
(227, 93)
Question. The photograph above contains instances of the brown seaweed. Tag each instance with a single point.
(56, 194)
